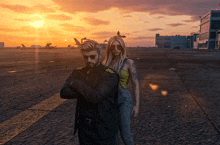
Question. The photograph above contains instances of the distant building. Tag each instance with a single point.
(35, 46)
(217, 42)
(2, 45)
(178, 42)
(195, 43)
(209, 24)
(192, 41)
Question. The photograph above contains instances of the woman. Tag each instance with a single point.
(116, 59)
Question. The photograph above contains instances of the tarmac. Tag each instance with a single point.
(179, 96)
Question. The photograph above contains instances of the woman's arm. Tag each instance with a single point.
(135, 86)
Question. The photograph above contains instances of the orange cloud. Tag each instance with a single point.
(73, 28)
(146, 22)
(175, 24)
(154, 29)
(136, 31)
(193, 8)
(61, 17)
(20, 19)
(29, 10)
(16, 37)
(159, 17)
(127, 16)
(103, 34)
(94, 21)
(195, 27)
(6, 29)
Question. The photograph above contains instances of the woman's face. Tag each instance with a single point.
(116, 48)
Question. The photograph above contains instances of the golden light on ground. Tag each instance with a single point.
(13, 71)
(164, 93)
(154, 87)
(65, 40)
(37, 21)
(12, 127)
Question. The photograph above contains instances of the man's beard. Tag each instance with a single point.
(91, 65)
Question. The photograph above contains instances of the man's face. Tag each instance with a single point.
(91, 58)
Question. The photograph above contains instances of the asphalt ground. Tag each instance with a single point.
(179, 96)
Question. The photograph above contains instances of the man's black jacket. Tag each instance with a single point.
(96, 91)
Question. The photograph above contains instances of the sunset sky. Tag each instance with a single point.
(37, 22)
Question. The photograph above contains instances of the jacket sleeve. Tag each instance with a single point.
(108, 85)
(67, 92)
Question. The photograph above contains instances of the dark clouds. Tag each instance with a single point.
(193, 8)
(175, 24)
(29, 10)
(154, 29)
(60, 17)
(94, 21)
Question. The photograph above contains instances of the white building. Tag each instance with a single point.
(180, 42)
(2, 45)
(209, 24)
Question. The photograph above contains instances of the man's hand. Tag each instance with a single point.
(135, 111)
(74, 82)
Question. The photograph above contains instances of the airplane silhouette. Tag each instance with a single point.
(77, 42)
(48, 45)
(23, 46)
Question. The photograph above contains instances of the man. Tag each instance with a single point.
(96, 89)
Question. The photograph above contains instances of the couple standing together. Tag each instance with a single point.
(104, 104)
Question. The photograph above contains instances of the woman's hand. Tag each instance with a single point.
(135, 111)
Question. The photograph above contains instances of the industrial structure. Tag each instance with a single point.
(208, 36)
(2, 45)
(209, 25)
(176, 42)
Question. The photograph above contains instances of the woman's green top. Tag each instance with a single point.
(124, 78)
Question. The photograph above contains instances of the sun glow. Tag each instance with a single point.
(36, 21)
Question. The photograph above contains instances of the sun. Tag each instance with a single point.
(36, 20)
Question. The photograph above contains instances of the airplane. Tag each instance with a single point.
(103, 45)
(77, 42)
(23, 46)
(48, 46)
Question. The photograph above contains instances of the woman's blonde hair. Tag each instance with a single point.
(117, 62)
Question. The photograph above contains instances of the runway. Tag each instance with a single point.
(179, 96)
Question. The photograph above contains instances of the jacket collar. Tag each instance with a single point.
(96, 68)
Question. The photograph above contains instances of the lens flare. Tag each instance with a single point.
(154, 87)
(164, 93)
